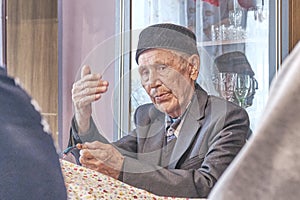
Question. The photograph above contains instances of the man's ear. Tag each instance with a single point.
(194, 65)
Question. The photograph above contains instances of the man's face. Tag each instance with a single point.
(168, 78)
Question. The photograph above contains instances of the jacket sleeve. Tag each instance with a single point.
(127, 145)
(91, 135)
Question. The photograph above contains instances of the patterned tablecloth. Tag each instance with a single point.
(83, 183)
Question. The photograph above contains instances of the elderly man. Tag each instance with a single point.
(183, 140)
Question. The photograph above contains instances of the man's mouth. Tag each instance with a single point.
(162, 97)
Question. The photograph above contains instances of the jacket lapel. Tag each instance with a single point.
(190, 126)
(155, 140)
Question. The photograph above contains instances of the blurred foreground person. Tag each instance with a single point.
(29, 164)
(268, 167)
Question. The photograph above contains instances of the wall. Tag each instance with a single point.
(294, 23)
(87, 29)
(32, 52)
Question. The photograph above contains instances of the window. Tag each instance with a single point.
(3, 34)
(228, 26)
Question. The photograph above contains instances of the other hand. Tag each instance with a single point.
(101, 157)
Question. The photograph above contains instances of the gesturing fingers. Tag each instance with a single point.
(85, 70)
(92, 81)
(86, 97)
(88, 89)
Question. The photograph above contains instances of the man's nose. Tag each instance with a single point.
(154, 79)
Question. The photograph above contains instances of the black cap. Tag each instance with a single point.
(234, 62)
(167, 36)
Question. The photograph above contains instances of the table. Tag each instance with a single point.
(84, 183)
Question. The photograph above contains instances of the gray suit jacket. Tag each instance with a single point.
(212, 134)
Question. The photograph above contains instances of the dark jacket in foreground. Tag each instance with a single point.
(29, 164)
(212, 134)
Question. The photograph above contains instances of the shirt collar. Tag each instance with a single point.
(169, 120)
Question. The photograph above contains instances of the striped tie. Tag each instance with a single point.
(171, 127)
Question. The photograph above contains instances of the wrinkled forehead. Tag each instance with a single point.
(161, 56)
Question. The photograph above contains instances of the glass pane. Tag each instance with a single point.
(2, 31)
(238, 29)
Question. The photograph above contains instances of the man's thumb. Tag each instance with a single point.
(85, 70)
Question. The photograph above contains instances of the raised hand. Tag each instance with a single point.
(85, 91)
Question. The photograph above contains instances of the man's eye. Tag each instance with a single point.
(161, 67)
(144, 74)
